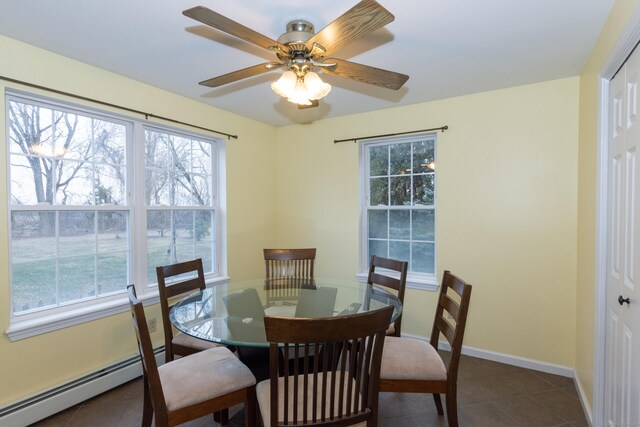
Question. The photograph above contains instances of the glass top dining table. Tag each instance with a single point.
(233, 313)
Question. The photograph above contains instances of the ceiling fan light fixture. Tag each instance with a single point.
(286, 84)
(315, 86)
(301, 90)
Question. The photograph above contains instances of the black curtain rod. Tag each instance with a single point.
(131, 110)
(441, 128)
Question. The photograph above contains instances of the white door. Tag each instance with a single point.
(622, 376)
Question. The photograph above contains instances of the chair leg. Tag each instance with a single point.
(452, 410)
(222, 417)
(147, 408)
(438, 401)
(250, 408)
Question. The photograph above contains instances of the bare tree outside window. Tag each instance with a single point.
(178, 194)
(60, 158)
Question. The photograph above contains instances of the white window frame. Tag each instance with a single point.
(427, 282)
(39, 321)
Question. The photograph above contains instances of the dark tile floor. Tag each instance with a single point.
(489, 394)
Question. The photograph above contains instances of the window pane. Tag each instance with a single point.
(400, 159)
(202, 157)
(378, 247)
(203, 225)
(77, 277)
(110, 142)
(179, 235)
(399, 224)
(157, 187)
(379, 161)
(33, 284)
(181, 151)
(378, 192)
(74, 185)
(157, 153)
(183, 225)
(77, 233)
(112, 232)
(181, 192)
(109, 185)
(377, 224)
(112, 272)
(423, 189)
(423, 225)
(399, 250)
(73, 135)
(422, 258)
(33, 236)
(400, 190)
(29, 181)
(423, 156)
(201, 191)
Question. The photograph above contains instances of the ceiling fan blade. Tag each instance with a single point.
(241, 74)
(364, 17)
(365, 74)
(314, 103)
(224, 24)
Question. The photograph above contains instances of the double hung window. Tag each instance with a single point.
(399, 202)
(97, 201)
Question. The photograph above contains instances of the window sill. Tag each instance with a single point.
(422, 283)
(26, 327)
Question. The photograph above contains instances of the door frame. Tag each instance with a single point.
(627, 41)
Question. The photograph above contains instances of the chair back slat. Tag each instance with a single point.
(331, 367)
(291, 263)
(173, 280)
(453, 329)
(450, 306)
(396, 283)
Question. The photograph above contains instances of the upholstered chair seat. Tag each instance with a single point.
(184, 340)
(203, 376)
(411, 359)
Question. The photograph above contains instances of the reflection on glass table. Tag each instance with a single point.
(233, 313)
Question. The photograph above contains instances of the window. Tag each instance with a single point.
(86, 188)
(178, 198)
(399, 203)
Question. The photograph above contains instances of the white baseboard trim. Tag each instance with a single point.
(508, 359)
(583, 400)
(45, 404)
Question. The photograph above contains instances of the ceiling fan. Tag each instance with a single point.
(301, 52)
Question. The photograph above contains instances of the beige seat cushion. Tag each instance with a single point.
(280, 310)
(411, 359)
(391, 329)
(263, 393)
(193, 342)
(203, 376)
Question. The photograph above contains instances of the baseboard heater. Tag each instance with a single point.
(59, 398)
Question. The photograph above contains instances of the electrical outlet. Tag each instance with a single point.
(152, 325)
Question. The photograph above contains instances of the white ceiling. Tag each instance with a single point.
(447, 47)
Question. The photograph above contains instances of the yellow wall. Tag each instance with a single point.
(506, 208)
(32, 365)
(587, 158)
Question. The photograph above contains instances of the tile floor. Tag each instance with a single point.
(489, 394)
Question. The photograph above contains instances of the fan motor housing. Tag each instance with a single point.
(298, 32)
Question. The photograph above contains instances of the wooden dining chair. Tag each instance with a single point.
(193, 386)
(289, 263)
(414, 366)
(187, 277)
(396, 283)
(330, 370)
